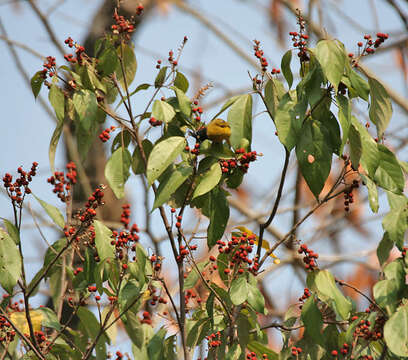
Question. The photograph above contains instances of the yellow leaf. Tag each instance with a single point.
(19, 319)
(265, 244)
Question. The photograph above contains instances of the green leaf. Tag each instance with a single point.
(171, 183)
(162, 155)
(332, 58)
(372, 193)
(103, 238)
(396, 332)
(194, 276)
(344, 115)
(328, 291)
(117, 171)
(161, 76)
(155, 347)
(239, 290)
(227, 104)
(355, 147)
(314, 154)
(389, 174)
(285, 66)
(108, 61)
(287, 125)
(10, 262)
(274, 92)
(359, 85)
(256, 299)
(219, 214)
(57, 100)
(208, 180)
(243, 328)
(181, 82)
(183, 101)
(52, 212)
(370, 156)
(36, 83)
(240, 120)
(395, 223)
(86, 107)
(127, 55)
(138, 165)
(56, 135)
(313, 320)
(384, 249)
(381, 107)
(12, 231)
(163, 111)
(49, 319)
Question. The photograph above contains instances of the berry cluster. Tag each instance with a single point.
(348, 195)
(171, 59)
(214, 339)
(7, 333)
(79, 52)
(244, 158)
(158, 65)
(156, 262)
(156, 298)
(41, 339)
(299, 38)
(17, 190)
(119, 355)
(87, 214)
(184, 251)
(370, 45)
(240, 247)
(195, 151)
(146, 318)
(306, 295)
(309, 258)
(105, 134)
(252, 356)
(259, 54)
(123, 26)
(62, 183)
(154, 122)
(295, 351)
(345, 349)
(191, 295)
(197, 111)
(49, 67)
(368, 331)
(125, 216)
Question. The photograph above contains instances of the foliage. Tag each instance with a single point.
(115, 274)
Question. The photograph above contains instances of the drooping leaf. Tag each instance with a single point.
(54, 143)
(36, 83)
(239, 290)
(162, 155)
(52, 212)
(12, 231)
(380, 107)
(355, 147)
(181, 82)
(161, 76)
(359, 85)
(57, 100)
(117, 171)
(395, 223)
(344, 115)
(274, 92)
(314, 154)
(332, 58)
(103, 238)
(312, 319)
(208, 180)
(10, 262)
(256, 299)
(128, 66)
(219, 214)
(240, 120)
(183, 101)
(86, 107)
(372, 193)
(384, 249)
(171, 183)
(108, 61)
(396, 332)
(138, 165)
(285, 66)
(287, 123)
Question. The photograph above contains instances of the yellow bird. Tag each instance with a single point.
(216, 131)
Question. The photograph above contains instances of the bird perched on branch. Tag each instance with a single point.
(216, 131)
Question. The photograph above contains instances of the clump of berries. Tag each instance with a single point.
(348, 195)
(369, 46)
(191, 295)
(299, 38)
(154, 122)
(122, 26)
(105, 134)
(214, 340)
(252, 356)
(146, 318)
(7, 333)
(62, 182)
(259, 54)
(309, 257)
(370, 331)
(306, 295)
(18, 189)
(49, 67)
(240, 247)
(197, 111)
(295, 351)
(79, 52)
(196, 150)
(156, 262)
